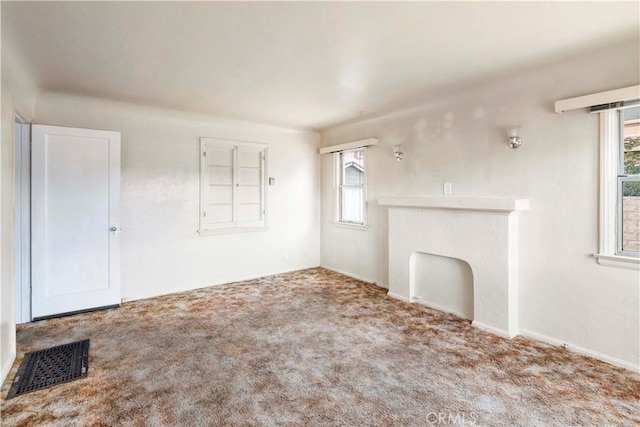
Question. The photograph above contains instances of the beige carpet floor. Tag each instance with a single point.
(311, 348)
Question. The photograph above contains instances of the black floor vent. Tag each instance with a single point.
(56, 365)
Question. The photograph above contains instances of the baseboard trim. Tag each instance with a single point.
(442, 309)
(224, 281)
(505, 334)
(581, 350)
(398, 296)
(6, 367)
(353, 276)
(492, 329)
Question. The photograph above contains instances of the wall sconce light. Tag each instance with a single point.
(514, 137)
(397, 151)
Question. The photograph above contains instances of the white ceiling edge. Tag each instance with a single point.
(170, 113)
(439, 99)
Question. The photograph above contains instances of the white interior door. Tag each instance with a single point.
(74, 219)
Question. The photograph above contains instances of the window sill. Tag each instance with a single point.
(359, 227)
(231, 230)
(619, 261)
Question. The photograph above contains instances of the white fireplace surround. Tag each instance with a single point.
(482, 231)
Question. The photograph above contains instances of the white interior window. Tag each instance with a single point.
(232, 186)
(629, 182)
(351, 186)
(620, 186)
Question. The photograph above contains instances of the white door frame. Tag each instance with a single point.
(22, 220)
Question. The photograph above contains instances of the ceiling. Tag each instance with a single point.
(305, 64)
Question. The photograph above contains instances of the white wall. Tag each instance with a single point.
(564, 294)
(7, 289)
(18, 95)
(161, 250)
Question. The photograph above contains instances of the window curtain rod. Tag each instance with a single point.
(349, 145)
(615, 105)
(624, 94)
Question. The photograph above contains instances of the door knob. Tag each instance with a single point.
(114, 229)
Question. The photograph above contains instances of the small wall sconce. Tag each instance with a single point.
(514, 137)
(397, 151)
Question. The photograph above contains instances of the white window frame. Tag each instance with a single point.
(338, 177)
(610, 250)
(234, 226)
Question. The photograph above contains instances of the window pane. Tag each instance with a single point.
(351, 164)
(249, 194)
(631, 136)
(631, 216)
(352, 167)
(249, 212)
(249, 176)
(249, 158)
(220, 175)
(219, 194)
(217, 214)
(219, 156)
(352, 205)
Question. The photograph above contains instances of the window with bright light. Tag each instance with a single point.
(619, 185)
(352, 186)
(629, 182)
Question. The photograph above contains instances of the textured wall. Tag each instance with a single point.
(7, 291)
(564, 293)
(161, 250)
(18, 94)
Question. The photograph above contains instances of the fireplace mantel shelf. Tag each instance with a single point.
(489, 204)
